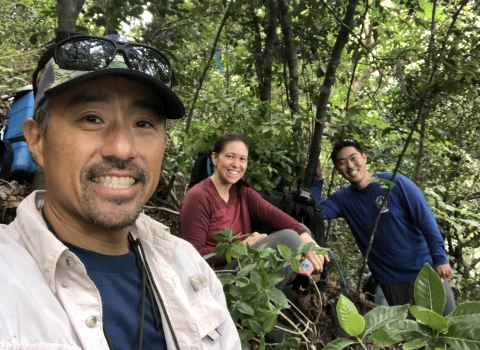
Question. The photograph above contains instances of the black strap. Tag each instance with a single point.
(197, 168)
(6, 158)
(20, 138)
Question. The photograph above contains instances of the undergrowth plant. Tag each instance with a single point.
(385, 325)
(253, 301)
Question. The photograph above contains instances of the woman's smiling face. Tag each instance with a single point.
(231, 163)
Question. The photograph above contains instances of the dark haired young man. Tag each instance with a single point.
(407, 234)
(81, 266)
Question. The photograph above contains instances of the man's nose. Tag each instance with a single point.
(119, 142)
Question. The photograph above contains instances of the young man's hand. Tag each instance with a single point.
(319, 171)
(317, 260)
(444, 271)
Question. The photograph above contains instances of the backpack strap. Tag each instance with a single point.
(6, 158)
(197, 168)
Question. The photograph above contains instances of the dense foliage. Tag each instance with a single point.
(404, 66)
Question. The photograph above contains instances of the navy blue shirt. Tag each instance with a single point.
(120, 285)
(407, 234)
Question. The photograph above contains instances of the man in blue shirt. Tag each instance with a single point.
(407, 234)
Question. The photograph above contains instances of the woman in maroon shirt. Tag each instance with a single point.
(225, 200)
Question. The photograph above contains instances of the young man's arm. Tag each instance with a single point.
(331, 210)
(425, 220)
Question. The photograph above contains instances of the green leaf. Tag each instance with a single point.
(269, 322)
(416, 343)
(245, 334)
(239, 249)
(284, 251)
(208, 256)
(254, 326)
(354, 324)
(255, 277)
(242, 282)
(305, 247)
(225, 278)
(277, 297)
(274, 278)
(220, 249)
(339, 344)
(246, 270)
(245, 308)
(344, 308)
(465, 309)
(463, 334)
(397, 331)
(381, 315)
(292, 342)
(429, 290)
(429, 317)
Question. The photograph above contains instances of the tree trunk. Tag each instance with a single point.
(340, 43)
(291, 58)
(68, 11)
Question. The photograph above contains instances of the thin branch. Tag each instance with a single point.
(199, 87)
(407, 142)
(161, 208)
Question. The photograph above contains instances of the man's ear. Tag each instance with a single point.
(34, 137)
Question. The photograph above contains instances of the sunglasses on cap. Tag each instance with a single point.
(90, 53)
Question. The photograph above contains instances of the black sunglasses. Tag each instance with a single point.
(90, 53)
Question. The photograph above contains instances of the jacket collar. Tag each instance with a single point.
(46, 249)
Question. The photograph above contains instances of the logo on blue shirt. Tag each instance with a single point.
(379, 201)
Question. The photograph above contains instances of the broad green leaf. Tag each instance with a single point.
(246, 270)
(284, 251)
(354, 324)
(344, 308)
(339, 344)
(225, 278)
(397, 331)
(274, 278)
(304, 248)
(244, 293)
(429, 290)
(416, 343)
(242, 282)
(465, 309)
(260, 300)
(381, 315)
(245, 334)
(256, 278)
(245, 308)
(263, 278)
(269, 322)
(429, 317)
(295, 265)
(220, 249)
(220, 237)
(277, 297)
(239, 249)
(462, 335)
(254, 326)
(292, 342)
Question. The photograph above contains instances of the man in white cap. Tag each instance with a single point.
(81, 267)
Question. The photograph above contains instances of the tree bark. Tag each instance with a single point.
(68, 11)
(321, 113)
(291, 58)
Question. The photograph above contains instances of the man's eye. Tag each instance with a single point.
(143, 124)
(92, 119)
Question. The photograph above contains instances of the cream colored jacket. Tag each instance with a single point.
(48, 302)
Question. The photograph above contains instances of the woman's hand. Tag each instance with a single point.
(317, 260)
(254, 238)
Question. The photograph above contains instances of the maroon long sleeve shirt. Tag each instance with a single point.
(203, 212)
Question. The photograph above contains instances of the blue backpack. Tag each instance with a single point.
(16, 162)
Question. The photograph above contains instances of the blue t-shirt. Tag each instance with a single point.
(120, 285)
(407, 234)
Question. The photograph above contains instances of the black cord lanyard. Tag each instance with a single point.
(145, 272)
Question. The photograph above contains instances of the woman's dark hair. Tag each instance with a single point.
(219, 146)
(342, 144)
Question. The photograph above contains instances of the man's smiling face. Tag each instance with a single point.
(102, 151)
(350, 163)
